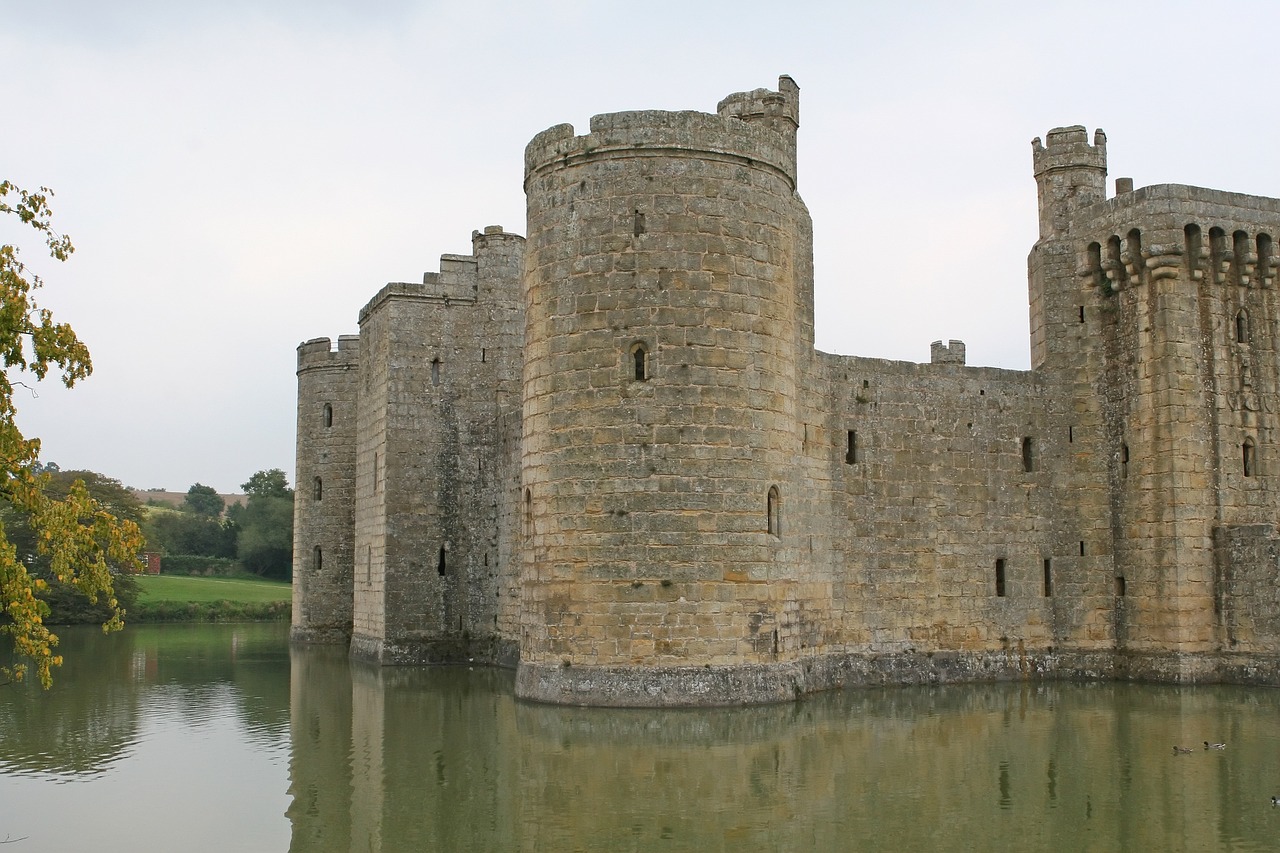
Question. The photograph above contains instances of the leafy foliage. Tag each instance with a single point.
(265, 525)
(85, 544)
(204, 500)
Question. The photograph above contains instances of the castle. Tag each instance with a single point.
(608, 454)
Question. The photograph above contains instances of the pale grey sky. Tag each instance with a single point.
(241, 176)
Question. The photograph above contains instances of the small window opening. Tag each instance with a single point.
(327, 416)
(1124, 461)
(866, 384)
(435, 371)
(1081, 313)
(773, 511)
(1250, 457)
(1242, 327)
(482, 353)
(440, 566)
(317, 488)
(528, 512)
(638, 224)
(640, 362)
(1081, 547)
(375, 472)
(851, 448)
(317, 558)
(1000, 578)
(1048, 578)
(1071, 434)
(1028, 454)
(1120, 586)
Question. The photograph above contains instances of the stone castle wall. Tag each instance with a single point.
(610, 454)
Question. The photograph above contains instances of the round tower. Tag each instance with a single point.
(660, 383)
(324, 500)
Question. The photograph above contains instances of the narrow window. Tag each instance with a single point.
(1081, 313)
(1120, 586)
(528, 512)
(1250, 457)
(773, 511)
(1071, 434)
(440, 567)
(1081, 547)
(851, 448)
(1242, 327)
(327, 416)
(638, 224)
(317, 489)
(435, 371)
(1000, 578)
(482, 353)
(639, 363)
(1124, 461)
(368, 564)
(317, 558)
(1194, 242)
(1028, 455)
(375, 472)
(1048, 578)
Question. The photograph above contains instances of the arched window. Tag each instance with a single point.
(326, 416)
(317, 558)
(435, 371)
(317, 488)
(773, 511)
(639, 366)
(1242, 326)
(1250, 455)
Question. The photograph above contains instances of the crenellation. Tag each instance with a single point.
(608, 454)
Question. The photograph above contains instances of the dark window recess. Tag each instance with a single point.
(640, 363)
(1000, 578)
(1028, 454)
(1071, 434)
(317, 488)
(435, 371)
(317, 558)
(851, 448)
(1081, 547)
(1242, 327)
(1250, 460)
(638, 224)
(327, 416)
(1124, 460)
(1120, 586)
(1081, 313)
(440, 566)
(773, 511)
(1048, 578)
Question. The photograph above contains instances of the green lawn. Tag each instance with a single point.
(157, 589)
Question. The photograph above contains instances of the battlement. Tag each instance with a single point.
(779, 111)
(1069, 148)
(756, 128)
(950, 353)
(319, 354)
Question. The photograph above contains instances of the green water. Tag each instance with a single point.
(220, 738)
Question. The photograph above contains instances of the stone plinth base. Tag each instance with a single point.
(430, 651)
(320, 635)
(672, 687)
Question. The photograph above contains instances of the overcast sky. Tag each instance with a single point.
(239, 176)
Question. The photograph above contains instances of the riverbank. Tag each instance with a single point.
(165, 598)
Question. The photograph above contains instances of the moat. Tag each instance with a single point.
(224, 738)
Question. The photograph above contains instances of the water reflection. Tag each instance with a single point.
(445, 759)
(231, 741)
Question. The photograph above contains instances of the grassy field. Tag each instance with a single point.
(174, 598)
(158, 588)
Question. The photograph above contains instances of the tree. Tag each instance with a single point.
(204, 500)
(67, 604)
(84, 542)
(266, 524)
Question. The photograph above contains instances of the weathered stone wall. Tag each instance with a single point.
(638, 478)
(660, 393)
(432, 460)
(324, 500)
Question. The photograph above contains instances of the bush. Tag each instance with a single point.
(189, 564)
